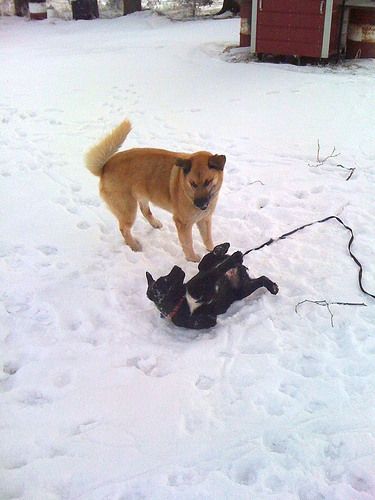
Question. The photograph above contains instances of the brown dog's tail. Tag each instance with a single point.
(98, 155)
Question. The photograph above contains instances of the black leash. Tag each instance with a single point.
(331, 217)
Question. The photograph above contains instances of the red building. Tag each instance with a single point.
(309, 28)
(302, 28)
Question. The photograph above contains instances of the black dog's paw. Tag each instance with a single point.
(270, 285)
(236, 258)
(273, 288)
(203, 322)
(195, 322)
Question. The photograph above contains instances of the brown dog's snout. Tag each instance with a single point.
(202, 203)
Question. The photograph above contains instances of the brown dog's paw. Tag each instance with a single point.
(193, 257)
(156, 224)
(135, 246)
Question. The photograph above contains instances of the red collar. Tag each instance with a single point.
(177, 307)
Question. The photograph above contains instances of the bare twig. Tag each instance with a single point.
(351, 170)
(326, 304)
(321, 161)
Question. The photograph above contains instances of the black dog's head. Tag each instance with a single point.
(166, 289)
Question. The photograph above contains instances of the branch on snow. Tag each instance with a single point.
(321, 161)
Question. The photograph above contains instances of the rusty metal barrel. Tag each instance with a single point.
(38, 9)
(361, 34)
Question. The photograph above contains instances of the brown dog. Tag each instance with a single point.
(187, 185)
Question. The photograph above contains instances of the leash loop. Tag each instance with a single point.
(331, 217)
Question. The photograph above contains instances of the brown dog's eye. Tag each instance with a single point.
(207, 182)
(194, 184)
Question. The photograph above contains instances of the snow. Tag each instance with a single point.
(100, 397)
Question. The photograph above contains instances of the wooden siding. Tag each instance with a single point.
(295, 27)
(290, 27)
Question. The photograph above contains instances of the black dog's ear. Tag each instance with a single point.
(177, 274)
(221, 249)
(184, 163)
(150, 279)
(217, 162)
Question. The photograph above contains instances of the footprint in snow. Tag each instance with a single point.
(62, 380)
(333, 450)
(34, 398)
(275, 483)
(105, 229)
(75, 188)
(246, 475)
(262, 202)
(10, 368)
(15, 463)
(83, 225)
(317, 189)
(183, 478)
(245, 470)
(27, 114)
(275, 443)
(146, 365)
(6, 380)
(48, 250)
(204, 383)
(358, 483)
(301, 194)
(290, 389)
(17, 305)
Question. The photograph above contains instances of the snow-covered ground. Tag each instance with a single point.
(100, 397)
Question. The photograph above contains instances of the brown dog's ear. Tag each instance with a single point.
(184, 163)
(217, 162)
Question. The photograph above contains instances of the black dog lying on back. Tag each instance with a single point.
(222, 279)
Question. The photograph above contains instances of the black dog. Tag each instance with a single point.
(222, 279)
